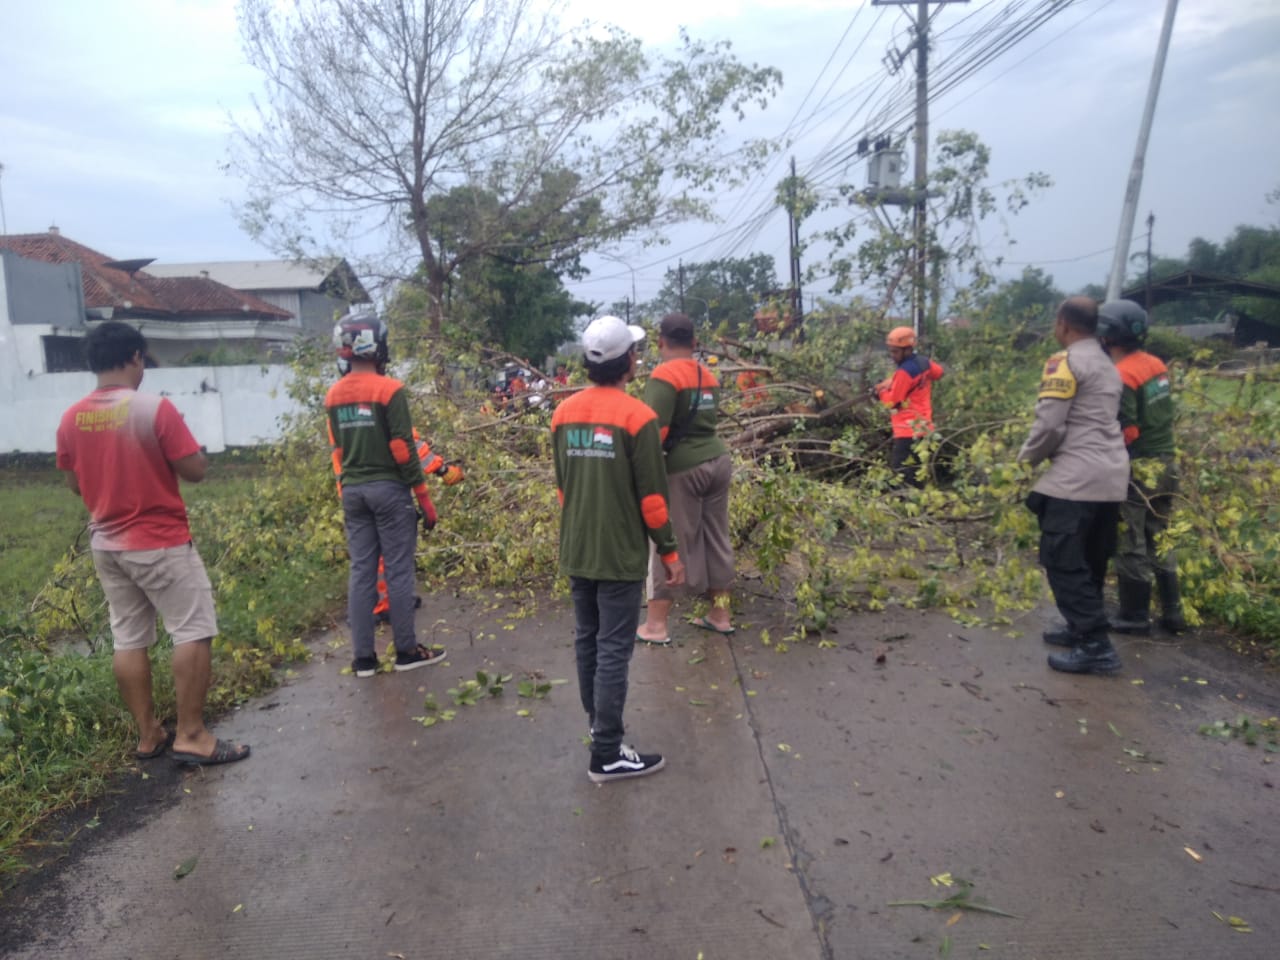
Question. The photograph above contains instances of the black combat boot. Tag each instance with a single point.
(1170, 601)
(1095, 654)
(1135, 607)
(1060, 636)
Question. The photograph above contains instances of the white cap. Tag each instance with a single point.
(607, 338)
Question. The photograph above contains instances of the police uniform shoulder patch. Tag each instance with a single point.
(1057, 382)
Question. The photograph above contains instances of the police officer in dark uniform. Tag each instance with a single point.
(1077, 499)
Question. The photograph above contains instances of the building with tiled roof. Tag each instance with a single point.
(316, 292)
(184, 318)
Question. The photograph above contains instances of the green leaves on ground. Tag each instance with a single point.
(469, 692)
(184, 868)
(1249, 729)
(962, 899)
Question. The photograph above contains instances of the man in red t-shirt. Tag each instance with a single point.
(123, 452)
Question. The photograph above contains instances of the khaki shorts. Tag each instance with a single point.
(141, 583)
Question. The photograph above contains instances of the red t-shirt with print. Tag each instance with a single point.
(121, 445)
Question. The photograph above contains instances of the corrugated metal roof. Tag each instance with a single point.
(266, 274)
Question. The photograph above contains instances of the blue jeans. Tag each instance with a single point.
(380, 521)
(606, 614)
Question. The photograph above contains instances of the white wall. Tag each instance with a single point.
(223, 406)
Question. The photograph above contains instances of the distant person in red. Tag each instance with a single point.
(123, 452)
(909, 395)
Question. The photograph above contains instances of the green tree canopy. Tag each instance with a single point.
(1031, 298)
(872, 249)
(513, 296)
(1249, 253)
(717, 293)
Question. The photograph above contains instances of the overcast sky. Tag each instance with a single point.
(113, 122)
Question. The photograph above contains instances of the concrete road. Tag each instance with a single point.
(804, 791)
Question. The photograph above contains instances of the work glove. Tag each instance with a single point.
(450, 473)
(427, 514)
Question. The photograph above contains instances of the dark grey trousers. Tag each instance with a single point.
(606, 614)
(381, 522)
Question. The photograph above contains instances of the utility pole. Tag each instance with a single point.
(680, 283)
(920, 137)
(1127, 213)
(921, 186)
(793, 239)
(4, 221)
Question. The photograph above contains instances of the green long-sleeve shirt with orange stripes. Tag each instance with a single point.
(685, 395)
(371, 432)
(612, 486)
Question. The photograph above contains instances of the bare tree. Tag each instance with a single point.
(377, 108)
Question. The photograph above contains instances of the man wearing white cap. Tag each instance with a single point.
(612, 486)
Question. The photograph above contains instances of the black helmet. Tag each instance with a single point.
(1122, 323)
(363, 335)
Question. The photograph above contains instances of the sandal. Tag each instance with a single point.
(223, 752)
(702, 623)
(158, 749)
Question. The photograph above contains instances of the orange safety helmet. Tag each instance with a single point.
(901, 337)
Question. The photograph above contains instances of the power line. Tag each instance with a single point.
(1004, 29)
(1034, 263)
(792, 124)
(1014, 66)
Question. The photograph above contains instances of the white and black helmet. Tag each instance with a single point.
(361, 334)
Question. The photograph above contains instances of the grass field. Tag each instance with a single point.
(44, 519)
(63, 731)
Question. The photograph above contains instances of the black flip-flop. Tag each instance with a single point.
(158, 750)
(223, 752)
(702, 623)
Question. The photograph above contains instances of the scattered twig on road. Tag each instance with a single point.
(1255, 886)
(770, 919)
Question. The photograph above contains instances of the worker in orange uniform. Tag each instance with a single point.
(751, 384)
(909, 395)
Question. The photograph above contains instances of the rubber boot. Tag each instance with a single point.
(1170, 601)
(1135, 607)
(1095, 654)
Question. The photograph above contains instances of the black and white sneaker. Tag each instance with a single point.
(628, 763)
(420, 657)
(364, 667)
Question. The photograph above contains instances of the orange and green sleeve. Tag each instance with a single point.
(612, 486)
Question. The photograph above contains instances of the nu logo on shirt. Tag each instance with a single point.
(589, 442)
(354, 413)
(589, 438)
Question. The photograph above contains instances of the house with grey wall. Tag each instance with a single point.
(315, 292)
